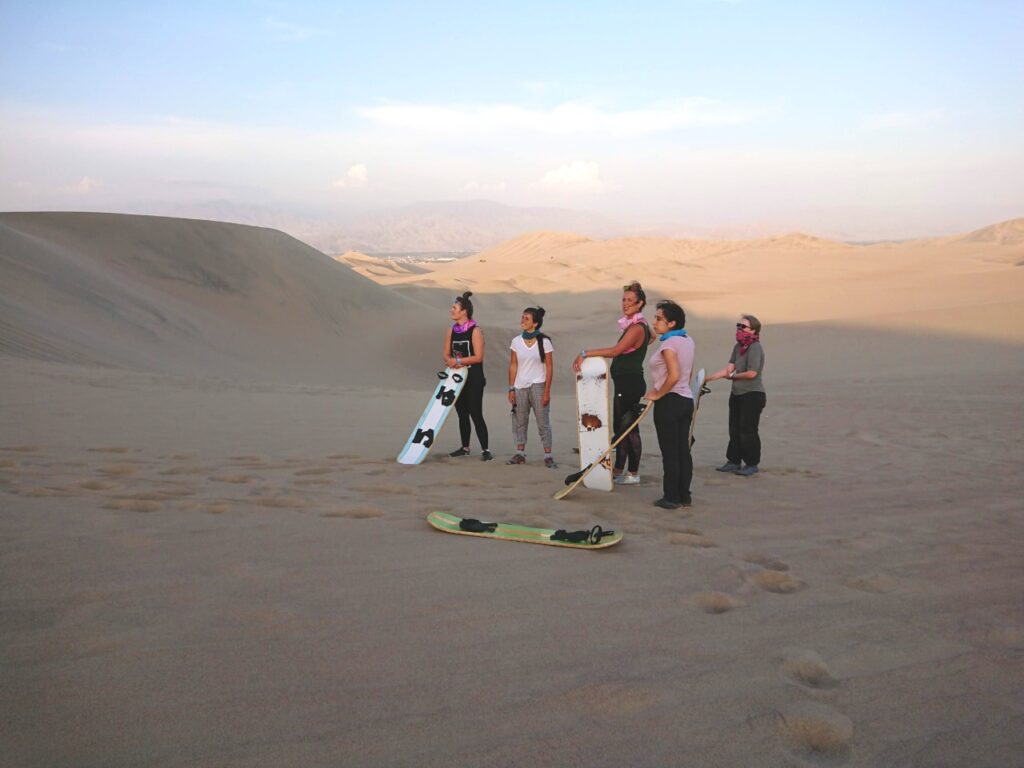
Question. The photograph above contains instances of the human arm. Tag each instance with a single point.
(446, 354)
(671, 374)
(631, 339)
(549, 367)
(513, 369)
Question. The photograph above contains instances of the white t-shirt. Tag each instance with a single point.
(531, 370)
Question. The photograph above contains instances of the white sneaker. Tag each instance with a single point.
(627, 479)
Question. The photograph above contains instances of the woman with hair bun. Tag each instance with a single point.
(530, 369)
(464, 348)
(628, 377)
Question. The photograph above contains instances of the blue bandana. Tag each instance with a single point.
(531, 334)
(670, 334)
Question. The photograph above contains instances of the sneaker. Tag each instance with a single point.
(728, 467)
(459, 452)
(747, 471)
(666, 504)
(487, 455)
(517, 459)
(627, 479)
(550, 463)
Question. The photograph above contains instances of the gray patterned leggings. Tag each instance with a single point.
(531, 398)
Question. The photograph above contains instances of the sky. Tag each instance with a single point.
(860, 119)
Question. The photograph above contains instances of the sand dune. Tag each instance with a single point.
(192, 298)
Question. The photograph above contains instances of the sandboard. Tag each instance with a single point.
(593, 421)
(699, 390)
(441, 403)
(573, 481)
(449, 523)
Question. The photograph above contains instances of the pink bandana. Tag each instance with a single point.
(625, 321)
(745, 339)
(464, 327)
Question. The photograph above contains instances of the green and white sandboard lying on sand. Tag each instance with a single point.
(449, 523)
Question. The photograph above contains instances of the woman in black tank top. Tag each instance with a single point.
(628, 377)
(464, 346)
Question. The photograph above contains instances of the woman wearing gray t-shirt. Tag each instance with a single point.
(747, 399)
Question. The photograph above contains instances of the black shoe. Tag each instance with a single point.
(459, 452)
(667, 504)
(485, 456)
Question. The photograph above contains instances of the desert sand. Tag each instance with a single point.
(209, 556)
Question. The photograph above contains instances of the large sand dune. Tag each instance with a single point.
(191, 298)
(209, 556)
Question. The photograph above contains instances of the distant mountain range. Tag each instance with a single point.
(456, 227)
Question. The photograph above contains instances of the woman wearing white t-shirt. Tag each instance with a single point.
(671, 366)
(529, 383)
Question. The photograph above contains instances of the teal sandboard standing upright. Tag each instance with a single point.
(449, 523)
(438, 407)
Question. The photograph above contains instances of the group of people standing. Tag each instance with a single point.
(530, 372)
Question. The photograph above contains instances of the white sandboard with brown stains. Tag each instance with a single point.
(594, 421)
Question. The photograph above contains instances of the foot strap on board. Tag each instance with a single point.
(593, 536)
(475, 526)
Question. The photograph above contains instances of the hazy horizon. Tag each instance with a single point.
(852, 121)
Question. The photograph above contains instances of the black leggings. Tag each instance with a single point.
(744, 419)
(628, 391)
(470, 405)
(672, 416)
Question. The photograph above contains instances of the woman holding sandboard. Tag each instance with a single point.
(671, 365)
(464, 346)
(628, 377)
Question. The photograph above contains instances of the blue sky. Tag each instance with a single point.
(856, 119)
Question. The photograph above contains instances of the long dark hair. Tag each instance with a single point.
(537, 313)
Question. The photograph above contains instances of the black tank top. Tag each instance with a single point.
(462, 345)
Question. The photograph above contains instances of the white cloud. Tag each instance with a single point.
(569, 118)
(477, 188)
(287, 32)
(356, 176)
(83, 187)
(577, 176)
(901, 120)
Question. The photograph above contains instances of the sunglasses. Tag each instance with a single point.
(741, 326)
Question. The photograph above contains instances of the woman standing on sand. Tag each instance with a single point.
(530, 370)
(464, 347)
(628, 377)
(671, 366)
(747, 400)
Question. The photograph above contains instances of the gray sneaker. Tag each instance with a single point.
(728, 467)
(747, 471)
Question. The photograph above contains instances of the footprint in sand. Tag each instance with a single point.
(716, 602)
(118, 470)
(109, 449)
(777, 582)
(692, 538)
(815, 733)
(7, 463)
(765, 561)
(22, 448)
(134, 505)
(236, 479)
(314, 471)
(806, 668)
(395, 490)
(356, 512)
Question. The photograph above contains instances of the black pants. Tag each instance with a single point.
(470, 405)
(672, 416)
(744, 419)
(628, 391)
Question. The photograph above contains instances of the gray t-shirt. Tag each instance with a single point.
(753, 360)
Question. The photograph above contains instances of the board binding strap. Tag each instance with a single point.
(594, 538)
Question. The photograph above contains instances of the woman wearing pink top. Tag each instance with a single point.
(671, 366)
